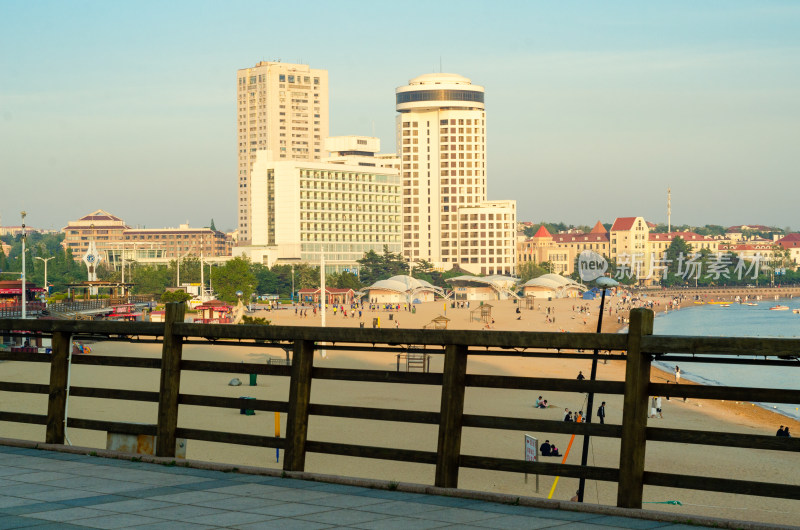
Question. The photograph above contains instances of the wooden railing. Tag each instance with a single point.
(638, 348)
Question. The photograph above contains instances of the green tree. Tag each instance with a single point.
(343, 280)
(234, 276)
(374, 267)
(529, 270)
(675, 257)
(175, 296)
(213, 226)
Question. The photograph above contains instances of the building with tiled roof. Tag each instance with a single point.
(112, 237)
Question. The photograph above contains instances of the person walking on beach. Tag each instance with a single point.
(581, 376)
(601, 412)
(780, 431)
(677, 375)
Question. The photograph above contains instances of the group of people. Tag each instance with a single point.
(548, 449)
(783, 431)
(540, 403)
(568, 416)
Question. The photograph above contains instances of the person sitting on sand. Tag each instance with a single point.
(538, 404)
(549, 449)
(543, 404)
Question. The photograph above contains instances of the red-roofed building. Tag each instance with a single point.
(791, 242)
(560, 250)
(599, 229)
(333, 296)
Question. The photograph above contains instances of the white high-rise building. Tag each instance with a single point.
(283, 108)
(302, 209)
(441, 142)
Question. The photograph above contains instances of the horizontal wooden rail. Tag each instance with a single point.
(252, 440)
(724, 439)
(551, 426)
(730, 393)
(720, 345)
(234, 368)
(542, 383)
(365, 451)
(112, 426)
(23, 417)
(32, 388)
(110, 360)
(85, 327)
(470, 338)
(24, 356)
(542, 468)
(368, 413)
(377, 376)
(113, 393)
(722, 485)
(233, 403)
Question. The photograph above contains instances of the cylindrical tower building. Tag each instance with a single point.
(441, 141)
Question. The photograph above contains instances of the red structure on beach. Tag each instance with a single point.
(11, 299)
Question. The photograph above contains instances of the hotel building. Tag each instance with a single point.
(301, 209)
(441, 142)
(283, 108)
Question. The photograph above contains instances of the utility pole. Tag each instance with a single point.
(24, 290)
(45, 271)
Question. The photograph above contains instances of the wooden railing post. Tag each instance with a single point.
(634, 412)
(57, 403)
(294, 457)
(452, 411)
(169, 389)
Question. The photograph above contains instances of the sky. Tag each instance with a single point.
(593, 109)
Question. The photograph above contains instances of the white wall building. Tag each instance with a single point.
(441, 140)
(300, 208)
(281, 107)
(359, 151)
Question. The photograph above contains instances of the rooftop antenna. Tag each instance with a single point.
(669, 210)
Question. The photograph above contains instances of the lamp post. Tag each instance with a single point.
(45, 271)
(604, 283)
(24, 293)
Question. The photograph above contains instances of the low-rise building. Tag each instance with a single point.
(112, 236)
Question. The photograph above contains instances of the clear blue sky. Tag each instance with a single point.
(593, 108)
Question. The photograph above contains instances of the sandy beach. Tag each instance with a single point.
(769, 466)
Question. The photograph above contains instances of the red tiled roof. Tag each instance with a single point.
(100, 215)
(623, 223)
(599, 229)
(542, 232)
(744, 246)
(789, 241)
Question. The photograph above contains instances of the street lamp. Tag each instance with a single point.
(45, 271)
(24, 293)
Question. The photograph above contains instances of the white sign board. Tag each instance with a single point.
(531, 449)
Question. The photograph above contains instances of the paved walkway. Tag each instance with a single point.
(46, 489)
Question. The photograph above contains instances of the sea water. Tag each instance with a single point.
(738, 320)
